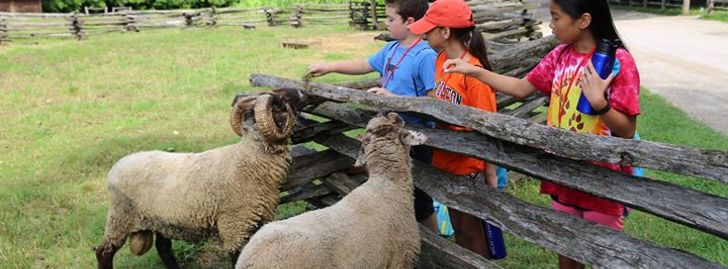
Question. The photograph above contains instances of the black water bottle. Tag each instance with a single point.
(603, 61)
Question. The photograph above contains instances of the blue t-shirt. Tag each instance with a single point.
(414, 76)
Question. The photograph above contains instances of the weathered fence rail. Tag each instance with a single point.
(696, 162)
(506, 20)
(509, 140)
(717, 5)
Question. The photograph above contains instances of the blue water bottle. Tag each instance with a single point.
(603, 61)
(496, 244)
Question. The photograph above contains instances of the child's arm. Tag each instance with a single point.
(520, 88)
(491, 178)
(355, 67)
(594, 88)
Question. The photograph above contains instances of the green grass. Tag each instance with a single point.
(71, 109)
(717, 15)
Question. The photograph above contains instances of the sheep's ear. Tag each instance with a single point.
(413, 138)
(360, 158)
(395, 118)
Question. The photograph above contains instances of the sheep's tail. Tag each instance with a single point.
(140, 242)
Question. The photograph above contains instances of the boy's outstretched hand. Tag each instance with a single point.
(380, 91)
(319, 69)
(460, 66)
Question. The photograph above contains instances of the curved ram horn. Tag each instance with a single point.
(266, 123)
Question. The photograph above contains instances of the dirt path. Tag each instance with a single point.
(684, 59)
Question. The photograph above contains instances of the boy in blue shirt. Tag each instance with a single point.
(407, 68)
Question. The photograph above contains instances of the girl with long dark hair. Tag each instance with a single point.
(564, 74)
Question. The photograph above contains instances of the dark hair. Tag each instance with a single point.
(409, 8)
(601, 26)
(473, 39)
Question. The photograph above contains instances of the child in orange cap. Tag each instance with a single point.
(449, 27)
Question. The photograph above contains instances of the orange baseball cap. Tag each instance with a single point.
(444, 13)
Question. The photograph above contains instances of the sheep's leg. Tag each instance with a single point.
(105, 254)
(118, 225)
(234, 234)
(164, 249)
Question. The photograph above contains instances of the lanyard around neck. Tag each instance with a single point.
(389, 73)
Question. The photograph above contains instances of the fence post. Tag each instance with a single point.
(351, 14)
(3, 30)
(711, 5)
(373, 6)
(213, 16)
(208, 16)
(365, 15)
(297, 15)
(76, 26)
(269, 16)
(644, 3)
(188, 19)
(129, 22)
(686, 7)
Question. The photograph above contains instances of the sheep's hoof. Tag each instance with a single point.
(140, 242)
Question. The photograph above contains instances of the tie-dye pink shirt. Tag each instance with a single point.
(552, 77)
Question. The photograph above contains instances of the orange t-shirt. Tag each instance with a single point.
(466, 91)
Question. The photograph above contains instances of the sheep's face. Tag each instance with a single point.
(387, 134)
(295, 98)
(266, 115)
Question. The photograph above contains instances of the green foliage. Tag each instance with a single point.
(77, 5)
(285, 3)
(69, 5)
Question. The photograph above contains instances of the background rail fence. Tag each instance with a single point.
(499, 20)
(517, 139)
(717, 5)
(649, 3)
(506, 20)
